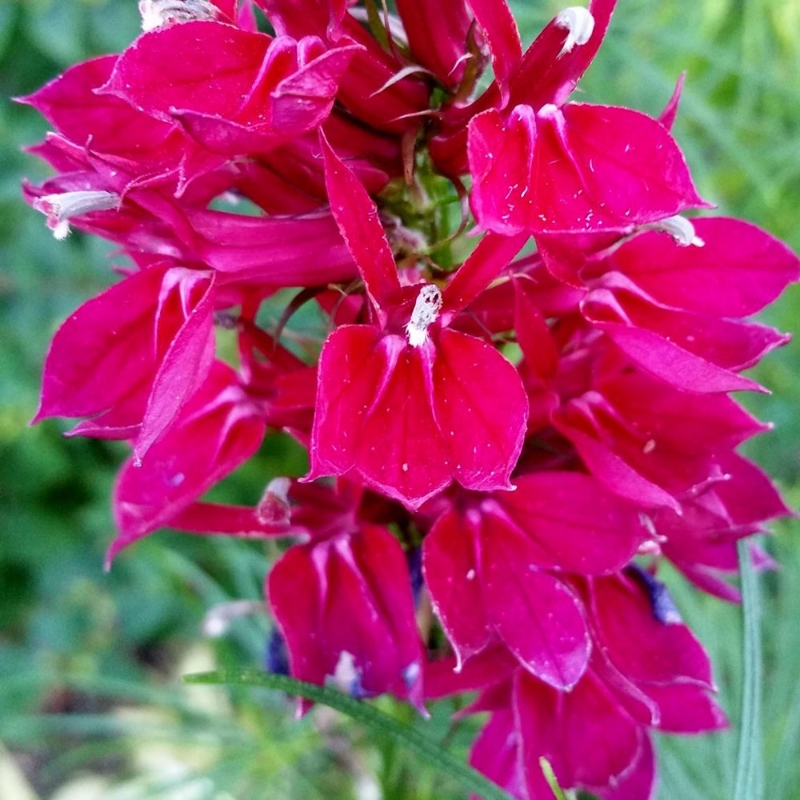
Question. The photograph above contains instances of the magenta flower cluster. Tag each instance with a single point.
(525, 382)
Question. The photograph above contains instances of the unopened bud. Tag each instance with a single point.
(59, 208)
(426, 311)
(403, 241)
(273, 508)
(156, 13)
(579, 24)
(661, 602)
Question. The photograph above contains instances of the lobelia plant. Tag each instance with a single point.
(525, 387)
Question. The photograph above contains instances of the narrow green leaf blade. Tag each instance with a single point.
(551, 779)
(423, 747)
(749, 768)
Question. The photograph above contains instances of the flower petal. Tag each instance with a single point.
(357, 217)
(548, 73)
(716, 278)
(573, 523)
(642, 648)
(189, 352)
(373, 414)
(214, 73)
(498, 25)
(693, 352)
(451, 575)
(481, 410)
(580, 169)
(215, 432)
(537, 616)
(588, 738)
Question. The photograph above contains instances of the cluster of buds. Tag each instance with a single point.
(522, 405)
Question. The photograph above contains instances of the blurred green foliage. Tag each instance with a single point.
(89, 662)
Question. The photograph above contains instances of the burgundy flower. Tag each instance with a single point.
(646, 671)
(111, 126)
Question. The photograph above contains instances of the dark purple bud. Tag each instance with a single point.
(276, 658)
(664, 608)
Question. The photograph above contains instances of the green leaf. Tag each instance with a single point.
(422, 746)
(551, 779)
(749, 766)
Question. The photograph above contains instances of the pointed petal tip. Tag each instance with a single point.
(317, 471)
(111, 554)
(412, 678)
(424, 713)
(302, 708)
(419, 705)
(460, 660)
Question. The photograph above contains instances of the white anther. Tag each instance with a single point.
(346, 675)
(579, 24)
(679, 228)
(156, 13)
(426, 311)
(60, 207)
(218, 620)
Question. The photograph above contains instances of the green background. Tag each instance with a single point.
(91, 704)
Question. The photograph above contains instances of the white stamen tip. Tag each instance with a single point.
(156, 13)
(426, 311)
(579, 24)
(218, 620)
(679, 228)
(346, 675)
(59, 208)
(61, 230)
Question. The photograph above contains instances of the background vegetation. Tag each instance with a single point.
(91, 704)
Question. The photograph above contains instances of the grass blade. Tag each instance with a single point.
(422, 746)
(749, 767)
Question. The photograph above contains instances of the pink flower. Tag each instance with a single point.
(133, 356)
(544, 429)
(216, 431)
(232, 91)
(646, 671)
(343, 600)
(578, 169)
(488, 562)
(403, 402)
